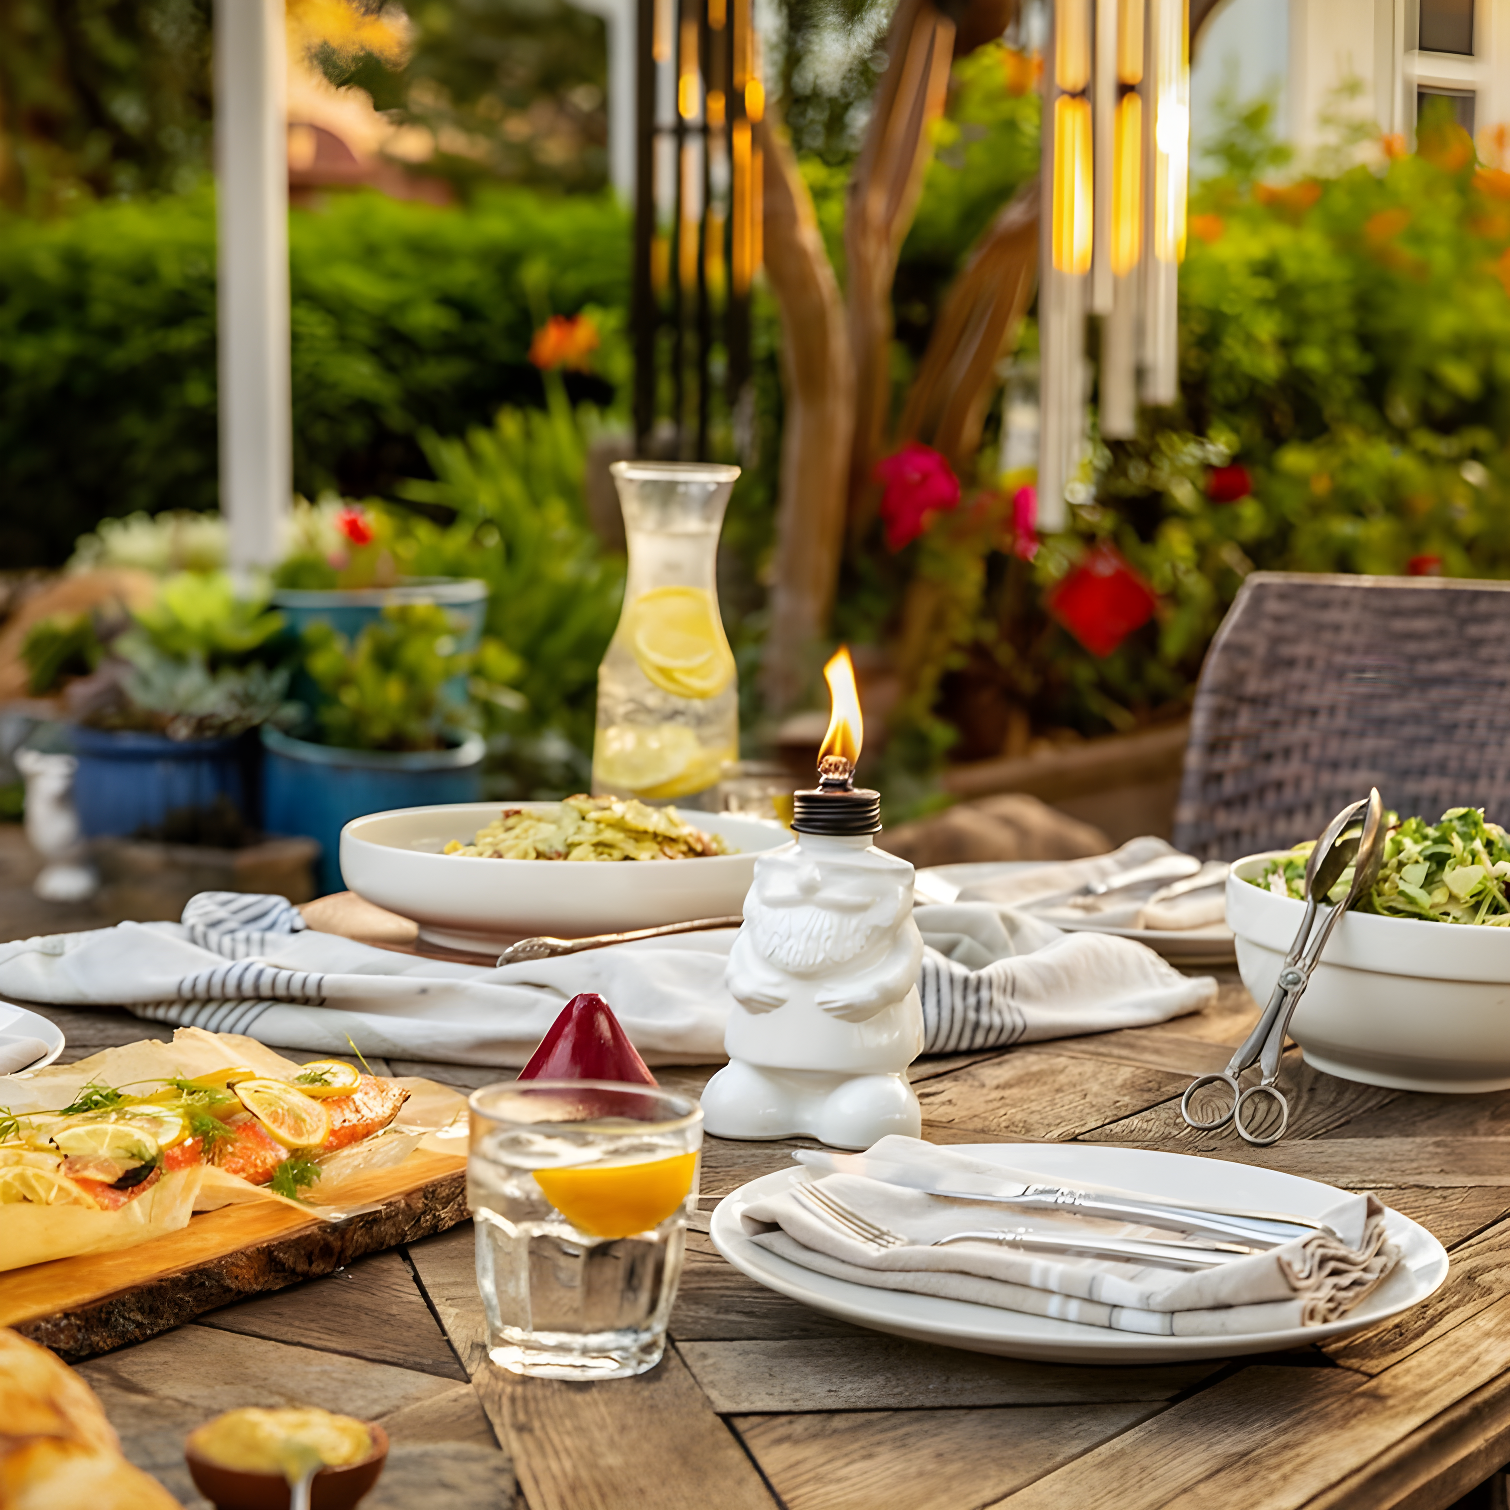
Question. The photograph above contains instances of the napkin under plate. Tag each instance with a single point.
(1307, 1282)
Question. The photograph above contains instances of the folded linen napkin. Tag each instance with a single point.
(1055, 893)
(1303, 1283)
(242, 963)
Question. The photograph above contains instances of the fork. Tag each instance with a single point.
(826, 1205)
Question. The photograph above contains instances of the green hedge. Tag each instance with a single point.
(404, 318)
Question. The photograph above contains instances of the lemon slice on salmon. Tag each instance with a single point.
(292, 1118)
(167, 1124)
(327, 1077)
(622, 1199)
(40, 1187)
(123, 1142)
(678, 641)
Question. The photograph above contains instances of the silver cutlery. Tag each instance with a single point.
(1259, 1230)
(546, 947)
(1262, 1112)
(1165, 868)
(1119, 1250)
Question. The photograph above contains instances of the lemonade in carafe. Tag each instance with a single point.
(668, 701)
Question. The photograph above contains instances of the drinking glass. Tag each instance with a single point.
(580, 1191)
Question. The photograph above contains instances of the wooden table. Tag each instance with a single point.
(762, 1403)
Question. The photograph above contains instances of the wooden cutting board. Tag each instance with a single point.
(90, 1304)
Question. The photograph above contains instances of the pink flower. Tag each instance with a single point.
(1228, 484)
(355, 525)
(1101, 600)
(1025, 522)
(919, 483)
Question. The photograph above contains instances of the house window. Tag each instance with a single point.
(1447, 26)
(1461, 102)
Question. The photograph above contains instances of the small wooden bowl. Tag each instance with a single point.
(331, 1489)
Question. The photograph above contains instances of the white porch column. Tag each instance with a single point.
(251, 152)
(618, 19)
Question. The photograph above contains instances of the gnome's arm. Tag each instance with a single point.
(861, 996)
(751, 981)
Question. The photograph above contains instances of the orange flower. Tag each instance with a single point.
(1208, 227)
(1446, 144)
(1386, 225)
(564, 341)
(1492, 181)
(1021, 70)
(1290, 199)
(1393, 144)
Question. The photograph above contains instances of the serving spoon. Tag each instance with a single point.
(544, 946)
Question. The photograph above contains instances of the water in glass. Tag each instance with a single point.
(580, 1191)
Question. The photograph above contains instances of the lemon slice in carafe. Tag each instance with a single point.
(678, 642)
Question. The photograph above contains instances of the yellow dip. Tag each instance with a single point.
(290, 1442)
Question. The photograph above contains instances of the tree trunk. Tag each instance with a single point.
(978, 321)
(818, 376)
(883, 196)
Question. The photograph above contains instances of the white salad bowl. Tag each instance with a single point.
(467, 902)
(1413, 1005)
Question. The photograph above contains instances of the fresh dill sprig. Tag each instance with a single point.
(355, 1050)
(294, 1175)
(212, 1133)
(94, 1097)
(312, 1077)
(10, 1125)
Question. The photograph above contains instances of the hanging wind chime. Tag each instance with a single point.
(1116, 158)
(698, 218)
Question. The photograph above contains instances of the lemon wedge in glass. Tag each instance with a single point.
(679, 643)
(622, 1199)
(40, 1187)
(292, 1118)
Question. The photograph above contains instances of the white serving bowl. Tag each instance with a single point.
(467, 902)
(1417, 1006)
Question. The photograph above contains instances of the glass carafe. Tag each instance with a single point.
(668, 701)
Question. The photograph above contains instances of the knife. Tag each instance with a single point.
(1258, 1230)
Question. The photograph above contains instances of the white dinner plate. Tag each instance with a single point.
(987, 1329)
(1212, 945)
(17, 1022)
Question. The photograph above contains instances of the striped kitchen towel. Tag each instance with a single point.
(239, 963)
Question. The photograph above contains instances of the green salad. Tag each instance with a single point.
(1454, 871)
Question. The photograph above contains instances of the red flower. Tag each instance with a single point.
(1102, 600)
(1228, 484)
(919, 483)
(1424, 566)
(564, 341)
(356, 526)
(1025, 522)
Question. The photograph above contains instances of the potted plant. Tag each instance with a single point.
(161, 724)
(343, 568)
(382, 734)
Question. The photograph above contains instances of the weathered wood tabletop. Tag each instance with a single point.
(761, 1402)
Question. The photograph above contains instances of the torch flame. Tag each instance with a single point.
(846, 729)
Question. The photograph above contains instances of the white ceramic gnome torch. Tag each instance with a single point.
(824, 972)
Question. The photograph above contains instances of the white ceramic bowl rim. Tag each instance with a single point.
(1367, 941)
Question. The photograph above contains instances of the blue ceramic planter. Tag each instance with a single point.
(350, 610)
(318, 789)
(127, 780)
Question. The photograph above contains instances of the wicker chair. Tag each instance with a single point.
(1317, 687)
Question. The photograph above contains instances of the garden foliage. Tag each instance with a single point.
(405, 318)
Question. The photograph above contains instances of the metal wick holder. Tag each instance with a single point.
(835, 807)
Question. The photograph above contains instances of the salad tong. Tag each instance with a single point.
(1262, 1112)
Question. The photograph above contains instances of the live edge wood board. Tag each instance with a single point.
(99, 1301)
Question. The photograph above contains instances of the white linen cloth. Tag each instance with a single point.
(1043, 890)
(241, 963)
(1304, 1283)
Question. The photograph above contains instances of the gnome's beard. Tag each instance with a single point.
(803, 938)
